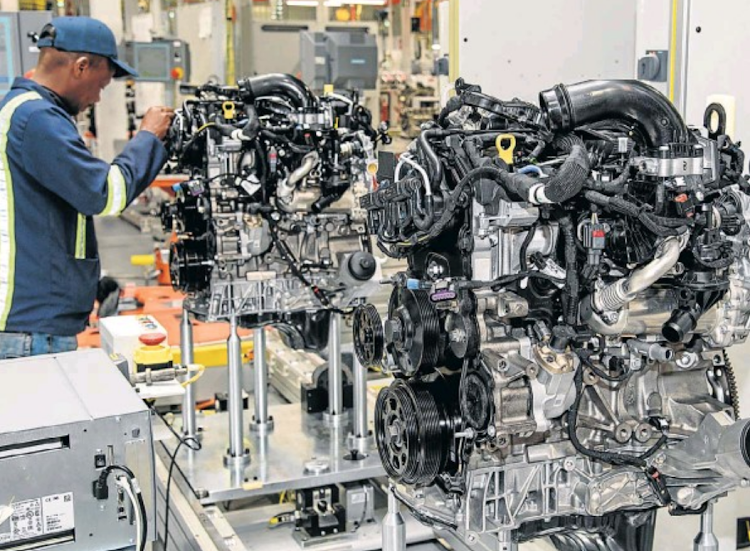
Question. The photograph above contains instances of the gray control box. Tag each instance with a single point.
(163, 60)
(63, 418)
(345, 59)
(18, 52)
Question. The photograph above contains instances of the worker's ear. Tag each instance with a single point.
(80, 65)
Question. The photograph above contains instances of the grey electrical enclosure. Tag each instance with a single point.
(18, 52)
(164, 60)
(64, 417)
(341, 58)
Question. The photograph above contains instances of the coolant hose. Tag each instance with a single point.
(424, 222)
(567, 183)
(252, 126)
(424, 144)
(564, 185)
(568, 107)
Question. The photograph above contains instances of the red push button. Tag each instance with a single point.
(152, 339)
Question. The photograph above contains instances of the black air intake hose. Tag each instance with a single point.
(278, 84)
(568, 107)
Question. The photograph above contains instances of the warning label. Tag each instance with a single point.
(26, 521)
(58, 513)
(36, 517)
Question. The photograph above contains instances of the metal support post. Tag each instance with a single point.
(262, 422)
(505, 541)
(237, 455)
(360, 439)
(394, 529)
(335, 416)
(189, 425)
(706, 540)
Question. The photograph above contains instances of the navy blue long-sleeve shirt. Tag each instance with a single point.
(50, 187)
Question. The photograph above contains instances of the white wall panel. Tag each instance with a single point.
(518, 49)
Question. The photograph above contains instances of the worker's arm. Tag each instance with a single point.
(55, 155)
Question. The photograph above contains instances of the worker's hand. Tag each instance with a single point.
(157, 120)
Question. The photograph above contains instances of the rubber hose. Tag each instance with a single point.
(424, 145)
(571, 270)
(568, 107)
(569, 180)
(424, 223)
(252, 127)
(280, 84)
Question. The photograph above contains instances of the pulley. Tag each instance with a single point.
(412, 432)
(189, 265)
(412, 331)
(369, 339)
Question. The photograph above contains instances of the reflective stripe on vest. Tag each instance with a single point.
(117, 193)
(7, 210)
(81, 237)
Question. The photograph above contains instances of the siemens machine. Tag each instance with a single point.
(18, 51)
(344, 59)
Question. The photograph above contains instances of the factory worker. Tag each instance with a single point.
(51, 186)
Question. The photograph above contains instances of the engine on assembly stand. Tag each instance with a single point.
(576, 272)
(268, 227)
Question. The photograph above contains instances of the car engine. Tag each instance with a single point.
(268, 226)
(576, 271)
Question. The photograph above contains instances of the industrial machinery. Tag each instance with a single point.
(268, 227)
(161, 60)
(340, 58)
(576, 272)
(18, 34)
(76, 456)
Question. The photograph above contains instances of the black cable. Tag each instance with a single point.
(130, 476)
(172, 463)
(612, 458)
(623, 376)
(192, 443)
(525, 247)
(288, 257)
(504, 281)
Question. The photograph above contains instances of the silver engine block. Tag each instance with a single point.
(576, 271)
(268, 226)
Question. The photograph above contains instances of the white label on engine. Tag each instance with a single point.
(58, 513)
(36, 517)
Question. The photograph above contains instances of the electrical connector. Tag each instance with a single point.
(101, 489)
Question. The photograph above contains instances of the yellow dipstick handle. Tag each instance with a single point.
(506, 145)
(228, 108)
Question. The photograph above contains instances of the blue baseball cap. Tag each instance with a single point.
(85, 35)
